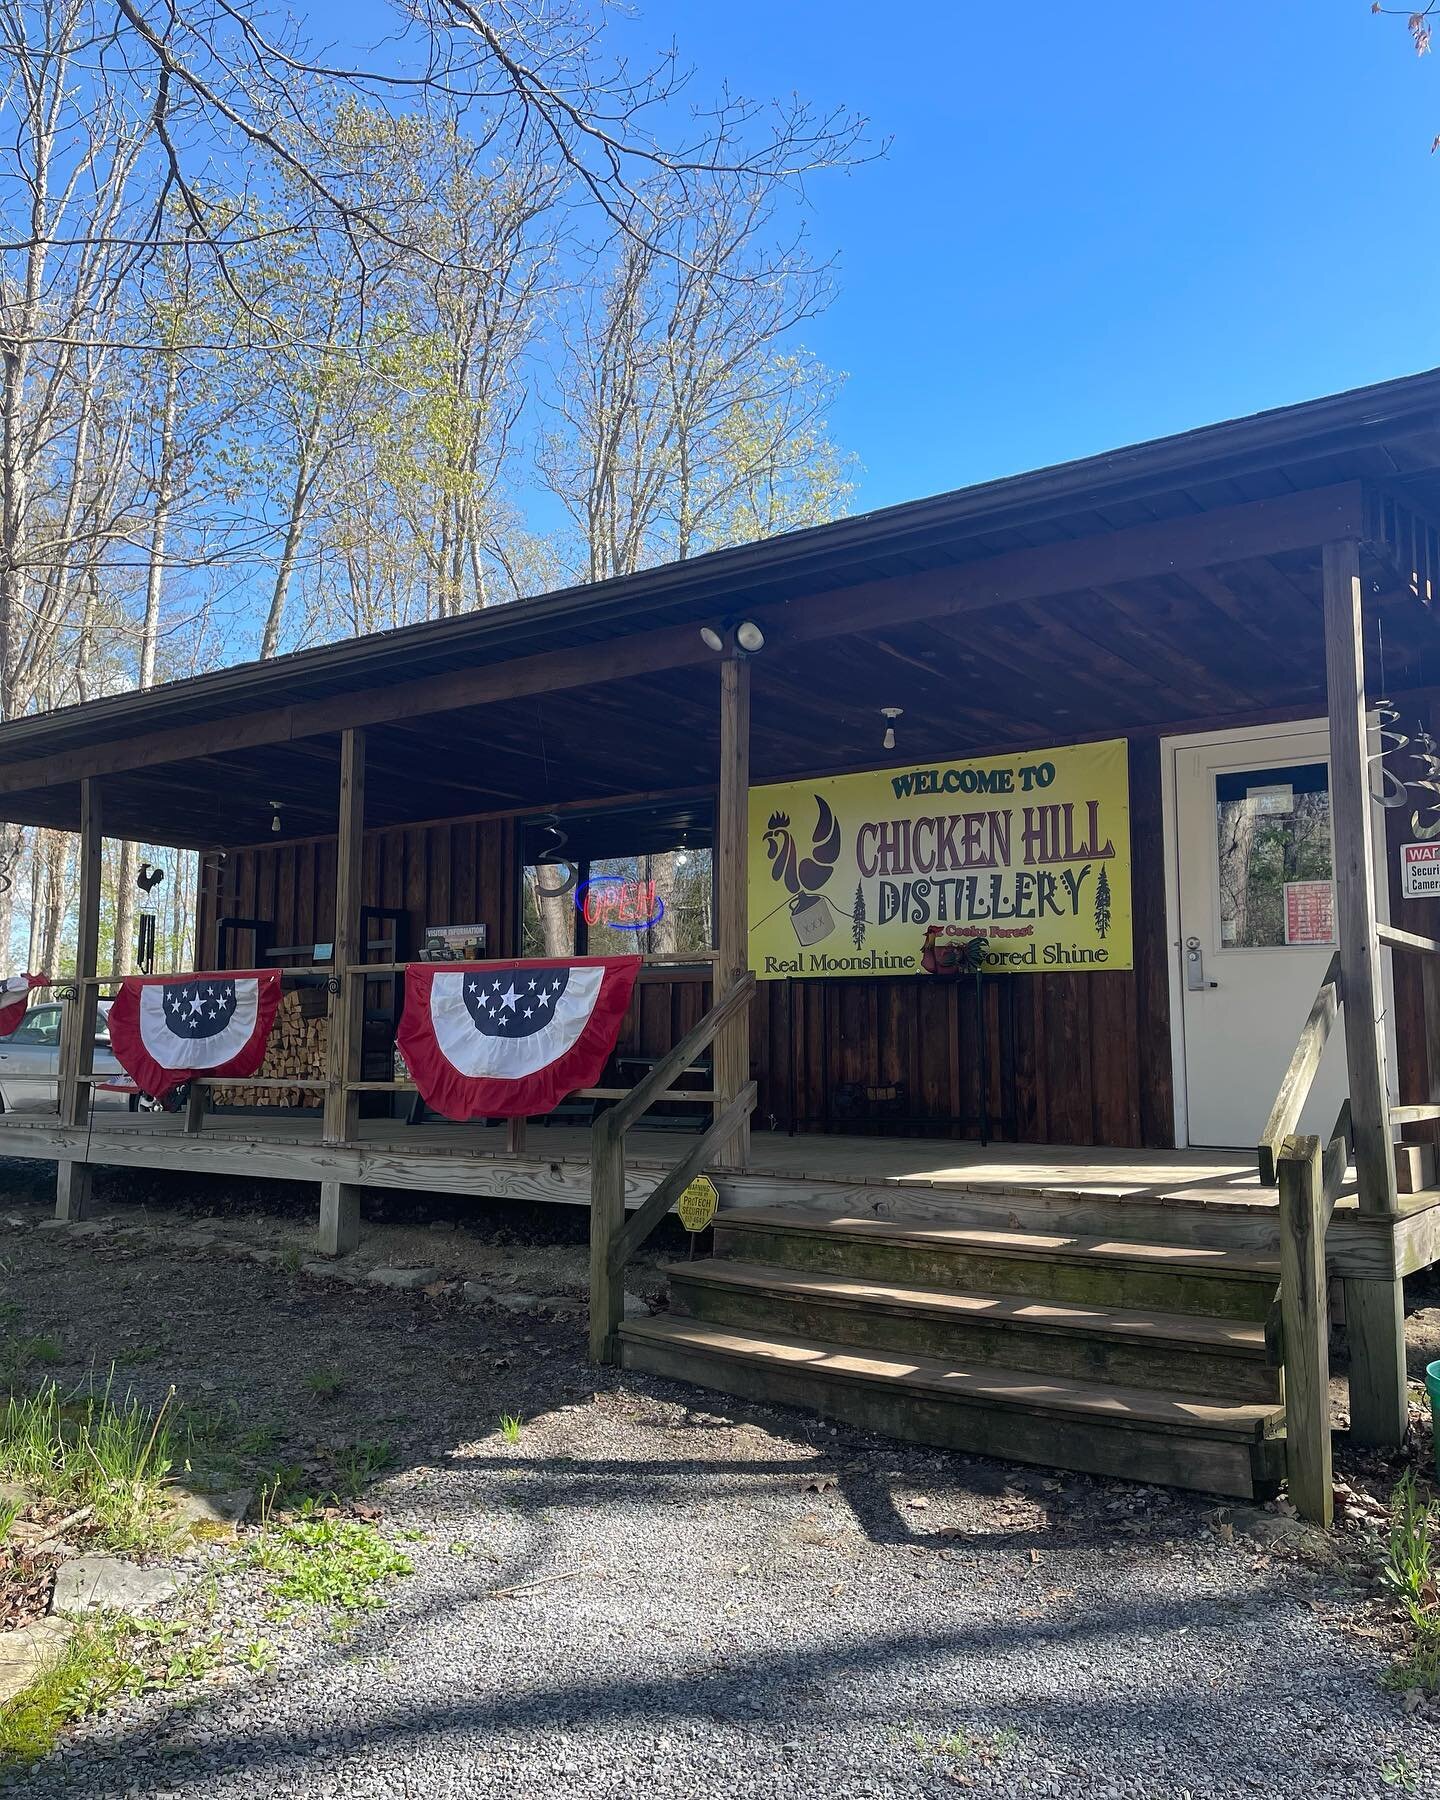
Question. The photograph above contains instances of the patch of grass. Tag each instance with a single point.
(88, 1449)
(10, 1511)
(959, 1745)
(510, 1427)
(325, 1384)
(291, 1258)
(260, 1440)
(359, 1464)
(319, 1560)
(102, 1662)
(19, 1353)
(1409, 1573)
(1400, 1772)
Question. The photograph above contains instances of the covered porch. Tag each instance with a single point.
(1234, 578)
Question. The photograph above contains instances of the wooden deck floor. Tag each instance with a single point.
(1210, 1177)
(1173, 1196)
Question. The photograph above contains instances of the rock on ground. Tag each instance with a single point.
(106, 1584)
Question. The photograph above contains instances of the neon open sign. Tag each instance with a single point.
(622, 905)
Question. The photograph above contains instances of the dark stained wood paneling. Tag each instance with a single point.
(1148, 1014)
(1073, 1058)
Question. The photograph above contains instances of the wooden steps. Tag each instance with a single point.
(1093, 1352)
(1237, 1284)
(1102, 1430)
(1087, 1342)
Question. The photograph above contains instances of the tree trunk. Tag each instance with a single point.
(122, 951)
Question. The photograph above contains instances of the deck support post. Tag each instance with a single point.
(1374, 1310)
(732, 915)
(1304, 1214)
(339, 1218)
(347, 1004)
(607, 1218)
(74, 1188)
(73, 1177)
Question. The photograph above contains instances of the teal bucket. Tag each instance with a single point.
(1432, 1387)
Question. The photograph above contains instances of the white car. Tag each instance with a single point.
(30, 1064)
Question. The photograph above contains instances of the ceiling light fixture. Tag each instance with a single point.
(712, 638)
(275, 820)
(749, 636)
(890, 714)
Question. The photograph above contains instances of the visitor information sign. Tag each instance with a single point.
(893, 872)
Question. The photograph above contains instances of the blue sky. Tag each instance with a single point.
(1094, 224)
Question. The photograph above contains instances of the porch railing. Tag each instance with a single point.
(1309, 1176)
(341, 1084)
(1300, 1076)
(614, 1239)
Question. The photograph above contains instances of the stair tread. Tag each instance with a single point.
(1189, 1259)
(1135, 1323)
(926, 1376)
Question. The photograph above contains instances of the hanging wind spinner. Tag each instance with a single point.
(1393, 791)
(1425, 819)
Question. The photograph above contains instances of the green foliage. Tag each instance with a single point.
(510, 1428)
(103, 1661)
(1400, 1772)
(321, 1560)
(87, 1449)
(325, 1384)
(1409, 1573)
(359, 1464)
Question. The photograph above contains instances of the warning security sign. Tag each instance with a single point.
(1420, 870)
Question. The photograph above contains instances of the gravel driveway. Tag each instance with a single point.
(695, 1597)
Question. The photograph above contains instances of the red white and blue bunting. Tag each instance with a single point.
(164, 1029)
(509, 1040)
(15, 999)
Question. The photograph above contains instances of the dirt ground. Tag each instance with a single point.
(898, 1620)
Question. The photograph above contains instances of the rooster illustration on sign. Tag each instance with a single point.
(803, 876)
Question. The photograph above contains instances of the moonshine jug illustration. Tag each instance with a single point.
(802, 876)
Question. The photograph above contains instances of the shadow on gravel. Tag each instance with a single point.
(820, 1683)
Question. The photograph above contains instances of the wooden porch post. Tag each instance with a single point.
(732, 911)
(1373, 1309)
(339, 1201)
(73, 1175)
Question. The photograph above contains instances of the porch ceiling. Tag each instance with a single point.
(1128, 659)
(1019, 612)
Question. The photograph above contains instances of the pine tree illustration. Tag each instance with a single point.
(1102, 904)
(857, 918)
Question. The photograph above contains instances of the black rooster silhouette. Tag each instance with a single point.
(803, 874)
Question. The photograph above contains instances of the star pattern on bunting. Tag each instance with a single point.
(200, 1008)
(514, 1003)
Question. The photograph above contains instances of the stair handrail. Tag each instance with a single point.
(1300, 1075)
(614, 1240)
(1310, 1178)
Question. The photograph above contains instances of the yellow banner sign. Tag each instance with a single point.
(903, 871)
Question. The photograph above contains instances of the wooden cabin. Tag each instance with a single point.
(1116, 732)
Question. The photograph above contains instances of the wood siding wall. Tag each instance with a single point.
(1078, 1058)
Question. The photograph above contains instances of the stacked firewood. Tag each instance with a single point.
(298, 1047)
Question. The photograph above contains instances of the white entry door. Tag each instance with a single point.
(1255, 926)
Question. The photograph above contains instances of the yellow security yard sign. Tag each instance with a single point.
(897, 871)
(698, 1204)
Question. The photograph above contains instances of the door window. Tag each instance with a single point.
(1274, 864)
